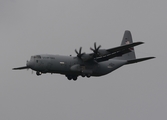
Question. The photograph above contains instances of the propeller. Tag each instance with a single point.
(96, 49)
(79, 54)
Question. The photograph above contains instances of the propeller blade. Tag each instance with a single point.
(91, 49)
(80, 50)
(76, 52)
(99, 47)
(79, 54)
(95, 45)
(96, 49)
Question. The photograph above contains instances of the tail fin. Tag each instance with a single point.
(127, 39)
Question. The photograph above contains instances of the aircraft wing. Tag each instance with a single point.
(110, 56)
(20, 68)
(100, 55)
(117, 51)
(127, 46)
(138, 60)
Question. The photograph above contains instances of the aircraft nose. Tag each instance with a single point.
(28, 64)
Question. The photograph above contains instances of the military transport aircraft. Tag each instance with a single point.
(99, 62)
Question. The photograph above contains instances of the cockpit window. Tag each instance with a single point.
(36, 57)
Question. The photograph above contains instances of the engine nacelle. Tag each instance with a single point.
(86, 57)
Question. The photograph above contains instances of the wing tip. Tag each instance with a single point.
(139, 60)
(20, 68)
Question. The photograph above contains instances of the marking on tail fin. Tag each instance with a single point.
(127, 42)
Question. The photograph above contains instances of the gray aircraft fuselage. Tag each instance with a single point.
(69, 65)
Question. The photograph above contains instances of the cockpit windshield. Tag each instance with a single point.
(36, 57)
(42, 57)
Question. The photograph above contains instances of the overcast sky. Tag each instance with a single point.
(134, 92)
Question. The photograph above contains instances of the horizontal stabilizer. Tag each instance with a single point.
(20, 68)
(138, 60)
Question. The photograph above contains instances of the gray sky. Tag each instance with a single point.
(134, 92)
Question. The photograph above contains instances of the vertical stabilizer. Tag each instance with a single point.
(127, 39)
